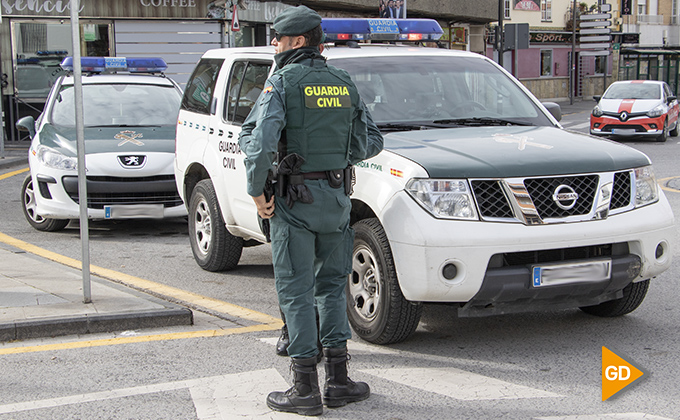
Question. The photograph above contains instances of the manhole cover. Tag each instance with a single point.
(674, 183)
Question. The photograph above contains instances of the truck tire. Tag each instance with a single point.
(214, 248)
(34, 219)
(633, 295)
(376, 308)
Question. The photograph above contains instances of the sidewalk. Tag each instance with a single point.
(14, 156)
(42, 298)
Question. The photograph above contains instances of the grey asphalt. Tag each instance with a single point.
(42, 298)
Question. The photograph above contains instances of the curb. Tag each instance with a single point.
(87, 324)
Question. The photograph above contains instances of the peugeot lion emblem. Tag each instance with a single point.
(132, 161)
(565, 197)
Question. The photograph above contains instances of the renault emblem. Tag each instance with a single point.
(132, 161)
(623, 116)
(565, 197)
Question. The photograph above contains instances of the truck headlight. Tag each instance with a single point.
(656, 112)
(444, 198)
(646, 188)
(53, 159)
(597, 111)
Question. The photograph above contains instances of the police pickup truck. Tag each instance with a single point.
(480, 198)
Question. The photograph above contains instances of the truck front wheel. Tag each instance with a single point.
(377, 310)
(633, 295)
(214, 248)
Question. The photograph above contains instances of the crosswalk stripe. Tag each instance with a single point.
(458, 384)
(612, 416)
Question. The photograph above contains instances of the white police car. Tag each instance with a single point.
(480, 199)
(129, 126)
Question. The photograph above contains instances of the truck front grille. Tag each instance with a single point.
(531, 200)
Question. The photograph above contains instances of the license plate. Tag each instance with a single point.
(570, 273)
(623, 131)
(134, 211)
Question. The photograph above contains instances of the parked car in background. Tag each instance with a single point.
(130, 113)
(636, 108)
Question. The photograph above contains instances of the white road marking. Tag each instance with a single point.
(613, 416)
(242, 396)
(239, 396)
(458, 384)
(578, 126)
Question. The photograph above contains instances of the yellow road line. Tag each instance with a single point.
(9, 174)
(148, 286)
(139, 339)
(663, 187)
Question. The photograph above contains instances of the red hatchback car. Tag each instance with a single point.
(645, 108)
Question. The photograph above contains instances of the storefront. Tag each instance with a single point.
(36, 35)
(544, 66)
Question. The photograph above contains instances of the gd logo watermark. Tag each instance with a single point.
(617, 373)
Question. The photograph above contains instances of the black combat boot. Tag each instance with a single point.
(339, 389)
(304, 396)
(282, 344)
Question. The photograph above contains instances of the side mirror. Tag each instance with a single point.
(554, 109)
(597, 98)
(672, 98)
(27, 124)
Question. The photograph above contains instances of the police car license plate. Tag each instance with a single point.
(134, 211)
(623, 131)
(584, 272)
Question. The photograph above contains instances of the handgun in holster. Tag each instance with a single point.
(269, 186)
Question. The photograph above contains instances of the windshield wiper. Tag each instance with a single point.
(405, 126)
(480, 121)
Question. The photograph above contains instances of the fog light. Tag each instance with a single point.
(634, 269)
(652, 126)
(596, 125)
(449, 271)
(659, 251)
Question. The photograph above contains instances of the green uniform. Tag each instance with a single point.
(329, 126)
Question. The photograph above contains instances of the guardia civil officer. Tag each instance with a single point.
(311, 114)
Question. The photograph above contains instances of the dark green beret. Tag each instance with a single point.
(296, 21)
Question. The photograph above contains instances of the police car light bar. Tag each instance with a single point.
(132, 65)
(338, 29)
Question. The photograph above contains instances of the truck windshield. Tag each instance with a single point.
(118, 105)
(399, 89)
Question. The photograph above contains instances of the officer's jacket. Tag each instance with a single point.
(318, 105)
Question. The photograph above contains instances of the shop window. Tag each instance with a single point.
(41, 46)
(546, 62)
(546, 10)
(600, 64)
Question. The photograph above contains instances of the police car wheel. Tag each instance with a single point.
(29, 207)
(214, 248)
(675, 131)
(633, 295)
(377, 310)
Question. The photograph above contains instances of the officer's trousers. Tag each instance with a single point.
(312, 255)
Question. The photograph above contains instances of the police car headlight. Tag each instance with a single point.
(444, 198)
(597, 111)
(656, 112)
(646, 188)
(53, 159)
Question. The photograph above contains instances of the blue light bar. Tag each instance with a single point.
(132, 65)
(338, 29)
